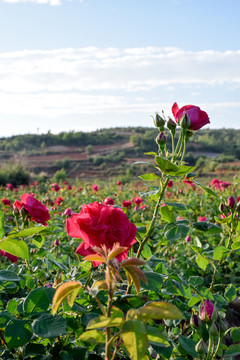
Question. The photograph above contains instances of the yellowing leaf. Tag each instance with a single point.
(105, 321)
(92, 336)
(94, 257)
(159, 310)
(70, 289)
(135, 339)
(100, 285)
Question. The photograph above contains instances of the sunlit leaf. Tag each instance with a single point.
(70, 289)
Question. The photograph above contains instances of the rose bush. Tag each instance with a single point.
(198, 117)
(34, 208)
(99, 224)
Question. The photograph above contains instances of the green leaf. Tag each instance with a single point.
(142, 163)
(32, 349)
(104, 321)
(92, 336)
(32, 231)
(151, 153)
(207, 227)
(149, 177)
(202, 262)
(196, 280)
(177, 206)
(2, 231)
(235, 245)
(193, 301)
(232, 350)
(230, 293)
(7, 275)
(15, 247)
(204, 188)
(178, 232)
(166, 166)
(155, 336)
(196, 249)
(159, 310)
(135, 339)
(36, 301)
(185, 169)
(154, 281)
(166, 214)
(220, 253)
(235, 334)
(188, 345)
(50, 326)
(146, 253)
(17, 333)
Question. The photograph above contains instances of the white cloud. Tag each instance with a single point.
(91, 80)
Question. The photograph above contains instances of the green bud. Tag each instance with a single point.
(201, 347)
(171, 125)
(161, 139)
(159, 122)
(185, 121)
(213, 330)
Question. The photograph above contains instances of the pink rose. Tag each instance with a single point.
(95, 187)
(34, 208)
(100, 224)
(198, 117)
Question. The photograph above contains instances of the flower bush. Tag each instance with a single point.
(159, 280)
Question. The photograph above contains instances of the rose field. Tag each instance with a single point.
(123, 270)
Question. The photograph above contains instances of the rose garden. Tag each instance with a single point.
(143, 270)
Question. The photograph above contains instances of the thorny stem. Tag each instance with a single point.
(146, 237)
(178, 143)
(209, 348)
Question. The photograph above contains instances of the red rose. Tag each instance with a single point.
(108, 201)
(11, 257)
(198, 117)
(6, 202)
(35, 208)
(126, 203)
(59, 200)
(137, 200)
(100, 224)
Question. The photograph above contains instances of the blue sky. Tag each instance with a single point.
(90, 64)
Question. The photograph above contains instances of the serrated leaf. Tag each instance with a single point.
(116, 252)
(166, 166)
(220, 253)
(196, 280)
(100, 285)
(207, 227)
(185, 169)
(47, 326)
(7, 275)
(36, 301)
(188, 345)
(135, 339)
(132, 261)
(166, 214)
(230, 293)
(104, 321)
(178, 232)
(202, 262)
(196, 249)
(149, 177)
(71, 289)
(17, 333)
(235, 245)
(159, 310)
(177, 206)
(15, 247)
(232, 350)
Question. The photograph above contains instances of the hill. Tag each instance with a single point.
(108, 152)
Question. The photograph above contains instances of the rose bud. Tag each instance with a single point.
(195, 322)
(223, 209)
(213, 330)
(188, 238)
(171, 125)
(161, 140)
(231, 202)
(185, 121)
(208, 312)
(159, 122)
(56, 243)
(201, 347)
